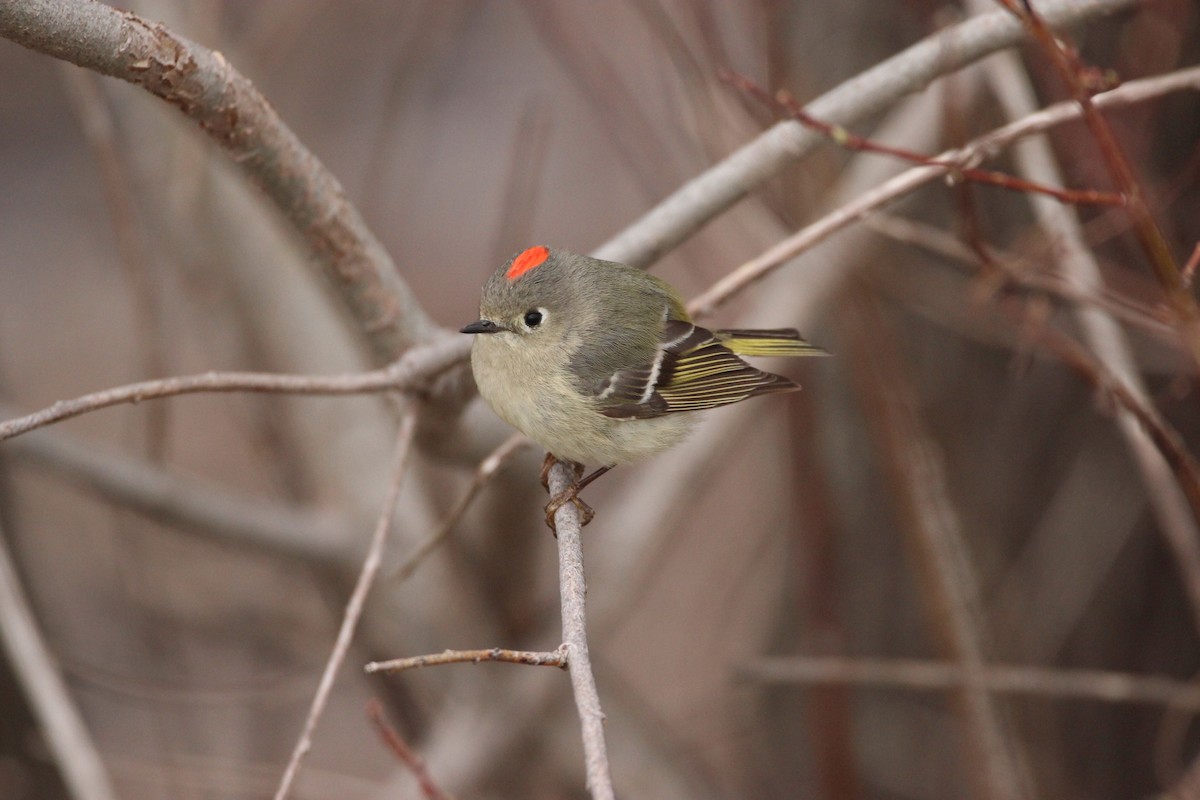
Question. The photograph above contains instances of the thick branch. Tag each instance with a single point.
(203, 85)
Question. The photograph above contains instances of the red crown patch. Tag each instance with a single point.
(526, 261)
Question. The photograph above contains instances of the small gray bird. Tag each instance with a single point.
(599, 363)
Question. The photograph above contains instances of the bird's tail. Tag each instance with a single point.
(776, 342)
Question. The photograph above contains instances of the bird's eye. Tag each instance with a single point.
(534, 318)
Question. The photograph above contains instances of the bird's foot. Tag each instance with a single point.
(568, 495)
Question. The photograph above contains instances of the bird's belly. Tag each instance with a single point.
(552, 413)
(598, 440)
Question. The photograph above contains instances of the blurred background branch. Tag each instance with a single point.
(202, 84)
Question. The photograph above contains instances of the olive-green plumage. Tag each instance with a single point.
(599, 363)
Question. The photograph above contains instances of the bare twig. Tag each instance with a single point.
(417, 366)
(708, 194)
(1102, 685)
(226, 106)
(483, 473)
(46, 692)
(906, 182)
(407, 756)
(1170, 473)
(532, 658)
(354, 606)
(573, 590)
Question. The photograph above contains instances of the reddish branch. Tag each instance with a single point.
(1077, 78)
(851, 141)
(405, 754)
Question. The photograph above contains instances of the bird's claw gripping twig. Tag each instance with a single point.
(568, 495)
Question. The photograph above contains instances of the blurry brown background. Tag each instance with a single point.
(465, 131)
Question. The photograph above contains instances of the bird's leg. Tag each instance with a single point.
(568, 495)
(596, 474)
(548, 462)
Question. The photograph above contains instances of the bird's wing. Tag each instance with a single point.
(692, 369)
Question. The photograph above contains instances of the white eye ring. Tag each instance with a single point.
(534, 318)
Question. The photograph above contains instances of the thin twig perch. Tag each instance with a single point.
(573, 590)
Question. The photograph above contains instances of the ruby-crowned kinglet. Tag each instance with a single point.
(599, 363)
